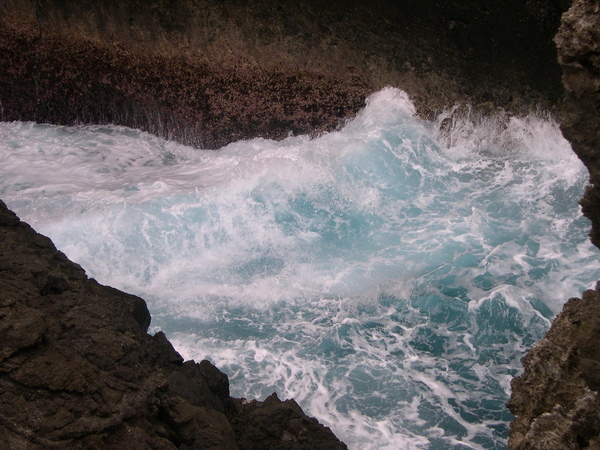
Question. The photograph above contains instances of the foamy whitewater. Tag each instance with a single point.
(388, 276)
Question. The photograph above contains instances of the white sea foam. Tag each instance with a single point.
(387, 276)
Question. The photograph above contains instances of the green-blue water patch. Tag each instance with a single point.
(388, 277)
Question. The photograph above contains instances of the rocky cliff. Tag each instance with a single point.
(78, 370)
(556, 400)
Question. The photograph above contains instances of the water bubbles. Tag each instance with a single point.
(387, 277)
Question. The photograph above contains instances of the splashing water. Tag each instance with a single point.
(387, 282)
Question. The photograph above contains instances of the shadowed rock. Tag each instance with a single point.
(78, 370)
(208, 72)
(578, 42)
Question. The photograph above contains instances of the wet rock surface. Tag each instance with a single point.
(556, 400)
(78, 370)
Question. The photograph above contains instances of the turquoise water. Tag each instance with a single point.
(386, 276)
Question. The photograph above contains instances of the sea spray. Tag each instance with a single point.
(386, 276)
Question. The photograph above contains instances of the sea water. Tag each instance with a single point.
(389, 276)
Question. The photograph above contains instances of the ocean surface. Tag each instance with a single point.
(389, 276)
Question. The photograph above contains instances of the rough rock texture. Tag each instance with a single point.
(208, 72)
(578, 43)
(78, 370)
(556, 400)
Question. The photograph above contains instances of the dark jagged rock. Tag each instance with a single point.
(209, 72)
(578, 43)
(78, 370)
(556, 401)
